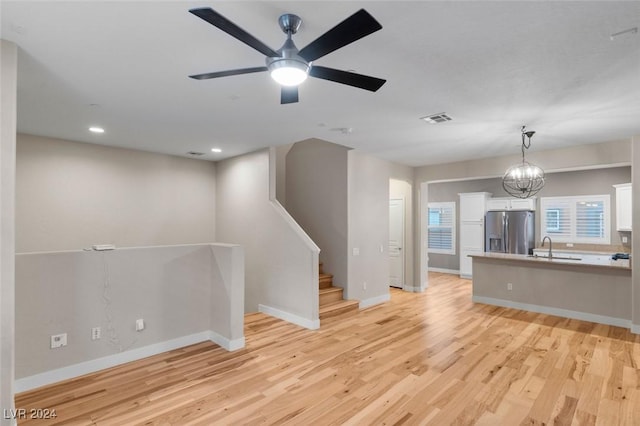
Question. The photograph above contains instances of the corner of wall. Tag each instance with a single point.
(8, 111)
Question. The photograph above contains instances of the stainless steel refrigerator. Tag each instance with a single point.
(511, 231)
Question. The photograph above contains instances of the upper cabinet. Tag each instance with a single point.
(473, 206)
(511, 204)
(623, 207)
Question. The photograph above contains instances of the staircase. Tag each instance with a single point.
(331, 301)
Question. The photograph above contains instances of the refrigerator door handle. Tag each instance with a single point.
(505, 228)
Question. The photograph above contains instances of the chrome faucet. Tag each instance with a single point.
(550, 245)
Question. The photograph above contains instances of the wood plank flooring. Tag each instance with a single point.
(433, 358)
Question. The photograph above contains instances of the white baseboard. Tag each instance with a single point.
(412, 289)
(289, 317)
(584, 316)
(80, 369)
(445, 271)
(91, 366)
(635, 328)
(374, 301)
(230, 345)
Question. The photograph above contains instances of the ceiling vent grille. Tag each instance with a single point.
(195, 153)
(436, 118)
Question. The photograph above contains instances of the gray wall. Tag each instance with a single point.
(636, 235)
(72, 195)
(317, 198)
(281, 261)
(178, 290)
(584, 182)
(368, 228)
(591, 290)
(448, 191)
(8, 84)
(281, 172)
(580, 156)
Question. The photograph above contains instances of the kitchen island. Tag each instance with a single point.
(598, 292)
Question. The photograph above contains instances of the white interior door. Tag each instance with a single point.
(396, 242)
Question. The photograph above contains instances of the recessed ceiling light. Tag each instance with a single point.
(96, 129)
(216, 150)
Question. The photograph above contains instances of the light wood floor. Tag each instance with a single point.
(432, 358)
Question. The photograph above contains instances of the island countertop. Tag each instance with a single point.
(621, 264)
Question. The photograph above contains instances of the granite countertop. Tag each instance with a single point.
(622, 264)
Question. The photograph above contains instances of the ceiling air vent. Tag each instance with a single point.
(195, 153)
(436, 118)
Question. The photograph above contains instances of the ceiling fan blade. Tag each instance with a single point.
(358, 25)
(217, 20)
(217, 74)
(289, 95)
(345, 77)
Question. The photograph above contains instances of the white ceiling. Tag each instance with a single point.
(492, 66)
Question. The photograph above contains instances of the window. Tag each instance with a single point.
(583, 219)
(441, 233)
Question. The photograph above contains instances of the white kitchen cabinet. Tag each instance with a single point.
(498, 204)
(473, 207)
(522, 204)
(623, 207)
(511, 204)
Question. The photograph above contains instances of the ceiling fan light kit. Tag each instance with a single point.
(288, 69)
(289, 66)
(523, 180)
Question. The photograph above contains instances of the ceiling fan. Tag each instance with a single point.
(290, 66)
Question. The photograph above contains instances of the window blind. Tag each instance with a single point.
(576, 219)
(441, 228)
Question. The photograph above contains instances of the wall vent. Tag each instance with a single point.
(195, 153)
(436, 118)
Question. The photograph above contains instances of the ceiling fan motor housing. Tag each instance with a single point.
(289, 23)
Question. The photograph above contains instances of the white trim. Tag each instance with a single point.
(413, 289)
(466, 276)
(635, 328)
(230, 345)
(374, 301)
(584, 316)
(423, 255)
(445, 271)
(86, 367)
(289, 317)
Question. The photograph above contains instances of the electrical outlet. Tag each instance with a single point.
(364, 285)
(96, 333)
(625, 239)
(58, 340)
(509, 286)
(139, 324)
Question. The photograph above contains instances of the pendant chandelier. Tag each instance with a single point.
(523, 180)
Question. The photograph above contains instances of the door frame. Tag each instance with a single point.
(403, 259)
